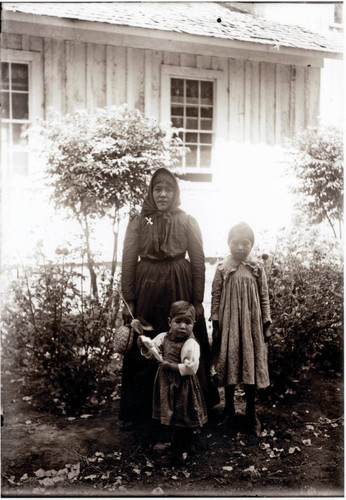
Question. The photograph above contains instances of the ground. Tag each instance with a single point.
(299, 453)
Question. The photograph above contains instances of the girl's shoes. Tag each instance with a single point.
(254, 425)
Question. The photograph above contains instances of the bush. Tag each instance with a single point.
(59, 334)
(318, 165)
(305, 282)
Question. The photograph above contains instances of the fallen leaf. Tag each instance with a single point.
(47, 481)
(27, 398)
(28, 422)
(335, 424)
(293, 449)
(91, 477)
(71, 418)
(227, 468)
(157, 491)
(24, 477)
(174, 478)
(85, 415)
(99, 454)
(187, 474)
(310, 427)
(40, 473)
(136, 471)
(264, 446)
(307, 442)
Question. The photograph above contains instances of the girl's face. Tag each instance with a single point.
(163, 194)
(240, 248)
(181, 326)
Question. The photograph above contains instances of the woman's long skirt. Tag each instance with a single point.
(158, 284)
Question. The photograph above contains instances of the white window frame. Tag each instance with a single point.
(36, 97)
(220, 105)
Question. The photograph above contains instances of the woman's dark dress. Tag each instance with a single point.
(160, 277)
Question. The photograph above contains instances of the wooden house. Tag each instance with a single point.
(232, 80)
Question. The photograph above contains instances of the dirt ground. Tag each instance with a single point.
(299, 453)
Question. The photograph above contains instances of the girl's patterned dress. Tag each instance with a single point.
(177, 399)
(240, 303)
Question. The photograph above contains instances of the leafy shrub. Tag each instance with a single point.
(318, 165)
(305, 282)
(59, 333)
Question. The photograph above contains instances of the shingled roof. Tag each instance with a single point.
(207, 19)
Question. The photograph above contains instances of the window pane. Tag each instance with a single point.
(177, 110)
(192, 123)
(18, 131)
(178, 122)
(191, 137)
(205, 138)
(192, 91)
(191, 111)
(206, 112)
(177, 90)
(205, 157)
(4, 76)
(20, 80)
(20, 162)
(206, 124)
(191, 157)
(207, 92)
(5, 133)
(20, 107)
(5, 105)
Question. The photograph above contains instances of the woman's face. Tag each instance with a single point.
(163, 193)
(240, 247)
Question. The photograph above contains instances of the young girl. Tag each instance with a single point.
(177, 397)
(241, 324)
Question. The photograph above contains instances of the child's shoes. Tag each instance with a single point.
(254, 425)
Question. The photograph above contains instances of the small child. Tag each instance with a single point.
(177, 397)
(240, 314)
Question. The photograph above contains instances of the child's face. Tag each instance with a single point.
(163, 194)
(181, 326)
(240, 248)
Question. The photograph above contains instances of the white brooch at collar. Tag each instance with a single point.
(149, 220)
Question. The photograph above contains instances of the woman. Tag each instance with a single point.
(160, 236)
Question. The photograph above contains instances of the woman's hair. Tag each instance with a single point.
(182, 307)
(243, 230)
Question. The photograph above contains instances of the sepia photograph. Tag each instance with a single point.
(172, 197)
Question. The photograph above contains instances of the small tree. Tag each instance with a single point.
(100, 162)
(318, 165)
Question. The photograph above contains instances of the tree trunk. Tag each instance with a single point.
(90, 260)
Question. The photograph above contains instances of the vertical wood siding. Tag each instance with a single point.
(267, 102)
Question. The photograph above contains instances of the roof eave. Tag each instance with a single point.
(137, 37)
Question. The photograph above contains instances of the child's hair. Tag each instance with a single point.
(182, 307)
(242, 229)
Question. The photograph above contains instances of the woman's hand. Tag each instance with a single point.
(266, 332)
(199, 309)
(127, 311)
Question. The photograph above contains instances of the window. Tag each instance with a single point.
(192, 103)
(195, 100)
(338, 13)
(15, 115)
(21, 106)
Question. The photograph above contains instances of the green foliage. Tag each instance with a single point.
(305, 281)
(318, 165)
(59, 334)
